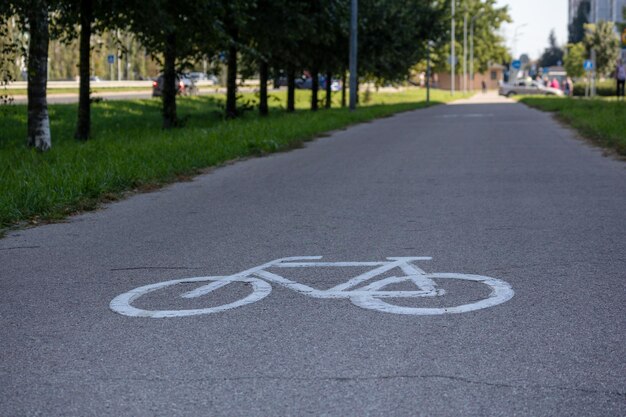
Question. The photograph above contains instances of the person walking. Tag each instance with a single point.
(620, 78)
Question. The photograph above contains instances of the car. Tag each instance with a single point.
(528, 87)
(306, 83)
(186, 86)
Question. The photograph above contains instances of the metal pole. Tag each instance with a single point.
(117, 57)
(471, 69)
(428, 74)
(452, 55)
(465, 52)
(594, 17)
(353, 53)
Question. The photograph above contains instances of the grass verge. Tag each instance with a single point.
(602, 121)
(129, 150)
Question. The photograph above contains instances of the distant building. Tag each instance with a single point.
(607, 10)
(572, 10)
(492, 78)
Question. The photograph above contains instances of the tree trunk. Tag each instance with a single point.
(291, 89)
(170, 86)
(231, 83)
(329, 91)
(315, 86)
(38, 121)
(343, 88)
(84, 106)
(263, 78)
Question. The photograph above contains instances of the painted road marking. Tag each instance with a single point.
(371, 296)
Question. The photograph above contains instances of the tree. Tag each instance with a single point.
(576, 29)
(552, 55)
(488, 45)
(34, 16)
(82, 18)
(602, 39)
(576, 55)
(174, 30)
(393, 36)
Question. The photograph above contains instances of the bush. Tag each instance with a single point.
(603, 88)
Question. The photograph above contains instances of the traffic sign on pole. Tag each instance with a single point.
(517, 64)
(111, 59)
(588, 65)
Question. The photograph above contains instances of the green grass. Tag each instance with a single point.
(130, 151)
(603, 121)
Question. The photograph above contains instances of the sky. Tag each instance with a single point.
(539, 16)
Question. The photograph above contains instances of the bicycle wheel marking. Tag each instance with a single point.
(360, 290)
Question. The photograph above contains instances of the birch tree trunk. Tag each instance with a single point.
(38, 121)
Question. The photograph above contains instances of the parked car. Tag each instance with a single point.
(306, 83)
(185, 86)
(528, 87)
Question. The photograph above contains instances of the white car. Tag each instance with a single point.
(525, 87)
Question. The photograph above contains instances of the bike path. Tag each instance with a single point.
(486, 187)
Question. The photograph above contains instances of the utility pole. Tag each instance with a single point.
(594, 18)
(465, 51)
(452, 55)
(471, 70)
(353, 53)
(428, 48)
(118, 55)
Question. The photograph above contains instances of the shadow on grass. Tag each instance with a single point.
(130, 151)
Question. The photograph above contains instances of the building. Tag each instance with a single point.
(572, 10)
(607, 10)
(492, 78)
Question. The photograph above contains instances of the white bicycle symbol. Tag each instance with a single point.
(371, 296)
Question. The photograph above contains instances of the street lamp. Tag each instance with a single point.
(515, 36)
(452, 55)
(465, 50)
(353, 53)
(476, 16)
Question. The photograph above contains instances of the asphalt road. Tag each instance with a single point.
(487, 188)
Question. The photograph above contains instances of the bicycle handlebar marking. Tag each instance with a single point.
(369, 296)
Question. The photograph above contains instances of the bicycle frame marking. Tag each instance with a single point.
(369, 296)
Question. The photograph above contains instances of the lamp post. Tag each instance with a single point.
(452, 55)
(515, 36)
(471, 70)
(353, 53)
(465, 50)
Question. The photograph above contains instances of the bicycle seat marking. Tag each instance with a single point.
(362, 290)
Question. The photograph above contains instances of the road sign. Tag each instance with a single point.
(588, 65)
(111, 59)
(517, 64)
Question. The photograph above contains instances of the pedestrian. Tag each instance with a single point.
(555, 84)
(620, 78)
(569, 87)
(484, 86)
